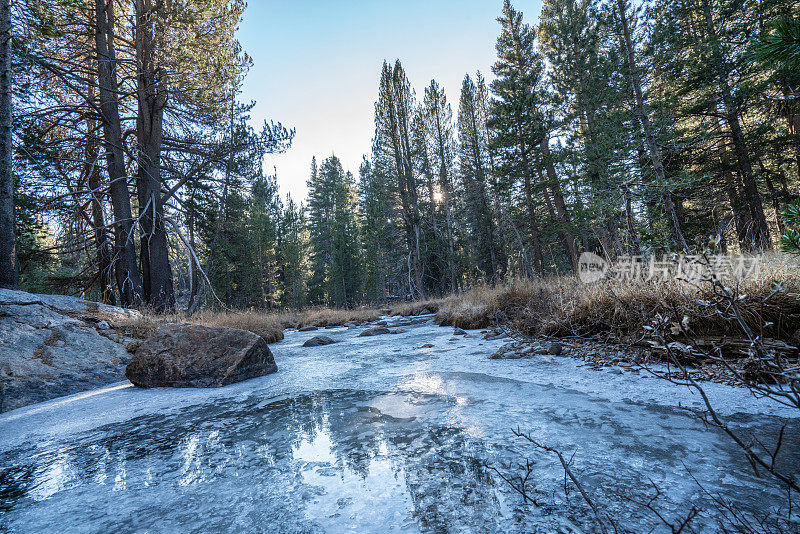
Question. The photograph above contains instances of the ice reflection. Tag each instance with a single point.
(330, 461)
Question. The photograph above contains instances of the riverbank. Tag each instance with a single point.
(56, 345)
(616, 313)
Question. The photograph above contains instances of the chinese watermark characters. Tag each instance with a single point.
(593, 268)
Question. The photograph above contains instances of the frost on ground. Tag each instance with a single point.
(383, 433)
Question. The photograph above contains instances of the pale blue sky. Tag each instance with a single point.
(317, 64)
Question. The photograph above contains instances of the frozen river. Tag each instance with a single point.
(378, 434)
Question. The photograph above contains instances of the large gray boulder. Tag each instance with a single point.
(187, 355)
(56, 345)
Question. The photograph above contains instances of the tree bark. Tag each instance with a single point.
(126, 272)
(9, 271)
(152, 98)
(636, 248)
(103, 255)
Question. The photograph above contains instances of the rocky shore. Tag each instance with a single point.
(56, 345)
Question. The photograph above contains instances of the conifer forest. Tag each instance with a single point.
(132, 174)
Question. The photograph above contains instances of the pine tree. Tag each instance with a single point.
(333, 234)
(392, 157)
(700, 54)
(319, 229)
(292, 255)
(516, 118)
(380, 238)
(9, 276)
(473, 162)
(583, 90)
(438, 117)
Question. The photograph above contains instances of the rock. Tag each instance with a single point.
(427, 346)
(459, 332)
(65, 305)
(307, 329)
(188, 355)
(50, 346)
(552, 349)
(507, 355)
(103, 325)
(319, 341)
(426, 311)
(511, 351)
(382, 323)
(133, 345)
(375, 331)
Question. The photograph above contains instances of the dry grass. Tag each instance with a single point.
(553, 306)
(619, 310)
(269, 325)
(333, 317)
(420, 307)
(142, 327)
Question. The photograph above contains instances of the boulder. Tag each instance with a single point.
(459, 332)
(307, 329)
(57, 345)
(375, 331)
(512, 351)
(319, 341)
(493, 334)
(555, 349)
(188, 355)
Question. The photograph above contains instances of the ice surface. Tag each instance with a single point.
(377, 434)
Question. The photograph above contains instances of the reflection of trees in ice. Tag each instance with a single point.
(343, 458)
(231, 456)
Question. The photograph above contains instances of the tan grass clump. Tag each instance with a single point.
(419, 307)
(143, 326)
(270, 326)
(563, 306)
(323, 317)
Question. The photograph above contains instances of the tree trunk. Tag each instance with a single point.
(9, 273)
(636, 249)
(775, 197)
(644, 119)
(92, 170)
(152, 98)
(129, 284)
(92, 175)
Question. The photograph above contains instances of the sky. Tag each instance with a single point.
(316, 66)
